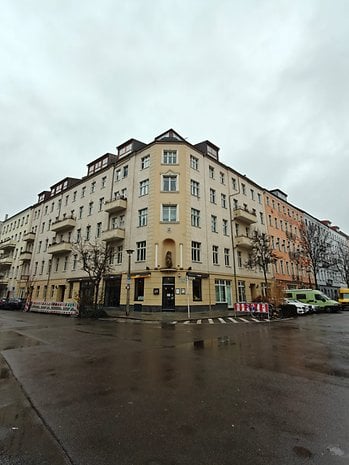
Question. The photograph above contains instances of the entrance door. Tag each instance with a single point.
(168, 294)
(112, 292)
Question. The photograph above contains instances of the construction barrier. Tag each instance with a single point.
(253, 307)
(59, 308)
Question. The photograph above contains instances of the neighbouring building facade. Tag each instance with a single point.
(172, 212)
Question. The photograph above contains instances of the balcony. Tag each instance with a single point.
(244, 215)
(63, 224)
(57, 248)
(25, 256)
(6, 261)
(113, 234)
(7, 244)
(117, 205)
(29, 237)
(244, 242)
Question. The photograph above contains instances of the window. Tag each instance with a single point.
(139, 289)
(143, 217)
(125, 171)
(78, 235)
(65, 263)
(98, 229)
(103, 182)
(144, 187)
(212, 196)
(241, 291)
(243, 188)
(169, 213)
(211, 172)
(233, 183)
(225, 227)
(213, 223)
(223, 201)
(239, 256)
(194, 162)
(226, 257)
(75, 261)
(215, 254)
(119, 254)
(195, 251)
(93, 187)
(81, 209)
(197, 289)
(223, 290)
(101, 203)
(83, 191)
(259, 198)
(252, 194)
(145, 162)
(195, 218)
(74, 195)
(261, 217)
(169, 183)
(194, 188)
(88, 232)
(170, 157)
(141, 251)
(222, 177)
(117, 175)
(90, 207)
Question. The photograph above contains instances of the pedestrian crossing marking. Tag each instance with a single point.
(220, 320)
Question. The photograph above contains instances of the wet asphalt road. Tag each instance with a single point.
(105, 393)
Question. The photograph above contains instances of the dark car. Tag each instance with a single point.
(12, 304)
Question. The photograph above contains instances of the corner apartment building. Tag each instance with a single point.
(187, 217)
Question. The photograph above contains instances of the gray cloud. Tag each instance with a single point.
(266, 81)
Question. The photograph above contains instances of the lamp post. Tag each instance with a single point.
(128, 285)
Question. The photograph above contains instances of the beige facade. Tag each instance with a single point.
(187, 217)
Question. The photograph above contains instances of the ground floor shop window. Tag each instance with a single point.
(139, 289)
(197, 289)
(223, 291)
(242, 291)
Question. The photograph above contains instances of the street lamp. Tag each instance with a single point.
(128, 285)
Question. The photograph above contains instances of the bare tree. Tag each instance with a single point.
(317, 248)
(261, 256)
(95, 259)
(343, 262)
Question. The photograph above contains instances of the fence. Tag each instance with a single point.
(60, 308)
(252, 308)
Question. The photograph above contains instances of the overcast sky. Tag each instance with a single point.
(266, 81)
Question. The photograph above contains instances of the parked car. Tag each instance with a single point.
(12, 304)
(302, 309)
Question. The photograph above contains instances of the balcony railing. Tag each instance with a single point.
(6, 261)
(244, 242)
(29, 237)
(7, 244)
(63, 224)
(25, 256)
(244, 215)
(116, 205)
(113, 234)
(59, 248)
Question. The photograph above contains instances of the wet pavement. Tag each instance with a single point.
(105, 392)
